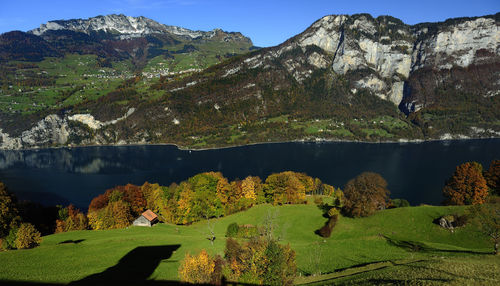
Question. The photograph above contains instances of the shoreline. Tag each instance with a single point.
(304, 141)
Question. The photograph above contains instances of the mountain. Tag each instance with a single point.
(346, 77)
(117, 37)
(123, 27)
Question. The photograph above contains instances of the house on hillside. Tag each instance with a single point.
(147, 218)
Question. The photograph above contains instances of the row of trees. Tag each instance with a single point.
(203, 196)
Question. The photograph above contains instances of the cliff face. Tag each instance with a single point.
(462, 55)
(397, 55)
(444, 76)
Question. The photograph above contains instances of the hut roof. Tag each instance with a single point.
(149, 215)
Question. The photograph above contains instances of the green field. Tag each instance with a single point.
(366, 250)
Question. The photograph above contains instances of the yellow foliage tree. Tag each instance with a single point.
(27, 236)
(248, 188)
(197, 269)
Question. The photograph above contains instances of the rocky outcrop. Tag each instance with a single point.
(55, 130)
(459, 55)
(50, 131)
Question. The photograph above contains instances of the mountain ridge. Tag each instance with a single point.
(346, 77)
(125, 26)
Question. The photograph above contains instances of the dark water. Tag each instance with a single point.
(415, 172)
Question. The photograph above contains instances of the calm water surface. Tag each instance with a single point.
(415, 172)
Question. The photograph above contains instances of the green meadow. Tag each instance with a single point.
(396, 246)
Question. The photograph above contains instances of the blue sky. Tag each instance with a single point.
(267, 23)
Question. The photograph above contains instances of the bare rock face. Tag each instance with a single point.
(463, 54)
(451, 45)
(50, 131)
(390, 50)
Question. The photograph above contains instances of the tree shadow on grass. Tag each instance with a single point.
(417, 246)
(72, 241)
(133, 269)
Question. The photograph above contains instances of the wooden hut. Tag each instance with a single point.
(147, 218)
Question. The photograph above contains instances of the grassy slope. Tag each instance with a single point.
(354, 242)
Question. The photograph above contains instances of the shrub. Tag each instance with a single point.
(318, 200)
(27, 236)
(248, 231)
(400, 203)
(9, 242)
(338, 198)
(232, 230)
(326, 230)
(333, 212)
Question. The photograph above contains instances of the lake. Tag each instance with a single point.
(414, 171)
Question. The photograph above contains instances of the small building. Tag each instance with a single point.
(148, 218)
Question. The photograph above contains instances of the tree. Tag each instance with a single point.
(486, 218)
(492, 177)
(232, 230)
(365, 194)
(198, 269)
(71, 218)
(260, 261)
(467, 185)
(285, 188)
(27, 236)
(9, 217)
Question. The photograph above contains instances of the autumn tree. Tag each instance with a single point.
(115, 215)
(260, 261)
(9, 217)
(467, 185)
(492, 177)
(365, 194)
(486, 218)
(27, 236)
(285, 188)
(199, 269)
(71, 218)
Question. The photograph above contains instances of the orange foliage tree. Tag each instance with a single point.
(492, 177)
(467, 186)
(365, 194)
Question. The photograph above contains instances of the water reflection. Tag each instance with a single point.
(414, 171)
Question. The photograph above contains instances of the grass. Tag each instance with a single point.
(364, 249)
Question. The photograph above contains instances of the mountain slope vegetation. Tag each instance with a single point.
(344, 78)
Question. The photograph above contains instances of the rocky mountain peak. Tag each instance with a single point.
(117, 24)
(127, 26)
